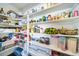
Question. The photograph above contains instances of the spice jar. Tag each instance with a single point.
(49, 17)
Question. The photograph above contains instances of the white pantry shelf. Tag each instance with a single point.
(38, 34)
(66, 35)
(54, 48)
(8, 51)
(44, 10)
(4, 15)
(36, 53)
(42, 34)
(13, 19)
(5, 26)
(60, 6)
(71, 19)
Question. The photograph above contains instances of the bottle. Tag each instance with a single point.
(66, 14)
(2, 11)
(49, 17)
(17, 30)
(46, 18)
(62, 15)
(76, 13)
(70, 14)
(43, 18)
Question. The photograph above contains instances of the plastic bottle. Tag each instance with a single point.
(76, 13)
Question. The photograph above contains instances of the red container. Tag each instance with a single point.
(76, 13)
(17, 36)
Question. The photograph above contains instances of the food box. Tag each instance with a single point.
(72, 44)
(54, 41)
(62, 43)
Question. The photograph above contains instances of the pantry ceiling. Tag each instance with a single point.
(18, 7)
(22, 6)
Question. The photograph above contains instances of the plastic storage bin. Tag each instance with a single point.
(17, 51)
(0, 46)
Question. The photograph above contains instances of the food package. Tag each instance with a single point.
(54, 53)
(78, 45)
(68, 31)
(62, 43)
(45, 40)
(72, 45)
(54, 41)
(9, 42)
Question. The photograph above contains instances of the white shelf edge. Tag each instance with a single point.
(54, 48)
(55, 35)
(4, 25)
(66, 35)
(14, 20)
